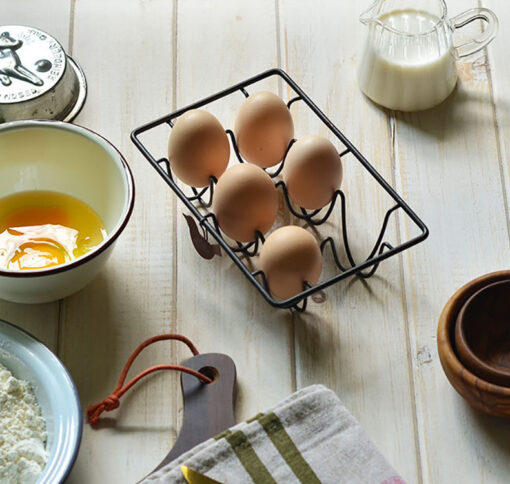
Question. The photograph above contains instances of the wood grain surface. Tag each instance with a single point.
(482, 336)
(373, 342)
(491, 399)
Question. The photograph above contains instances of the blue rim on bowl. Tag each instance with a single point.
(29, 359)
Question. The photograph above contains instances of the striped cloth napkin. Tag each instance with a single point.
(309, 438)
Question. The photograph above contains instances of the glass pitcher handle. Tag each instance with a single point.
(475, 45)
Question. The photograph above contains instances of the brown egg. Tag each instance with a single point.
(245, 200)
(198, 148)
(312, 172)
(263, 129)
(290, 257)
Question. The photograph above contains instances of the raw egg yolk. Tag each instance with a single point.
(42, 229)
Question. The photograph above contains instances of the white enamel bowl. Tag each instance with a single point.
(63, 157)
(28, 359)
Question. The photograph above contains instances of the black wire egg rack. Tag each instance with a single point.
(199, 200)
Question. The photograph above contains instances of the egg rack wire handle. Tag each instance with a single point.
(203, 197)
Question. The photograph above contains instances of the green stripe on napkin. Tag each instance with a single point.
(288, 450)
(249, 459)
(223, 434)
(308, 438)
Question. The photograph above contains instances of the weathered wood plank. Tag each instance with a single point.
(126, 50)
(220, 43)
(448, 168)
(356, 342)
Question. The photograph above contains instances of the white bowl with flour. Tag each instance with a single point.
(30, 360)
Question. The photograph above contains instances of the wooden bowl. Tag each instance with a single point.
(484, 396)
(482, 333)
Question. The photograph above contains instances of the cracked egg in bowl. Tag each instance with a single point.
(66, 195)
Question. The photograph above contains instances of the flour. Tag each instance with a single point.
(22, 432)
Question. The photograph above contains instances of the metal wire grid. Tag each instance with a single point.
(203, 199)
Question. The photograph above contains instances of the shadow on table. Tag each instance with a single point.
(497, 430)
(469, 106)
(464, 110)
(319, 337)
(95, 347)
(109, 423)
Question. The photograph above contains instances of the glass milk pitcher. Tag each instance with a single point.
(408, 63)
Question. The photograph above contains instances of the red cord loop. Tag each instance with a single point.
(113, 401)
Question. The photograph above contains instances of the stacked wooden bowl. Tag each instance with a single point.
(474, 342)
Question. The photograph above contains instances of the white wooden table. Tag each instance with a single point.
(374, 343)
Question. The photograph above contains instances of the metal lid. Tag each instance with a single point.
(38, 80)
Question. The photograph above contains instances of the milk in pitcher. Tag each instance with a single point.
(407, 72)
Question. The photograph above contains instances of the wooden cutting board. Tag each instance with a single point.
(208, 408)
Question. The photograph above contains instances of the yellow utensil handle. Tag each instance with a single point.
(194, 477)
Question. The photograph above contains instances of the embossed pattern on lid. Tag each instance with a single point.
(38, 80)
